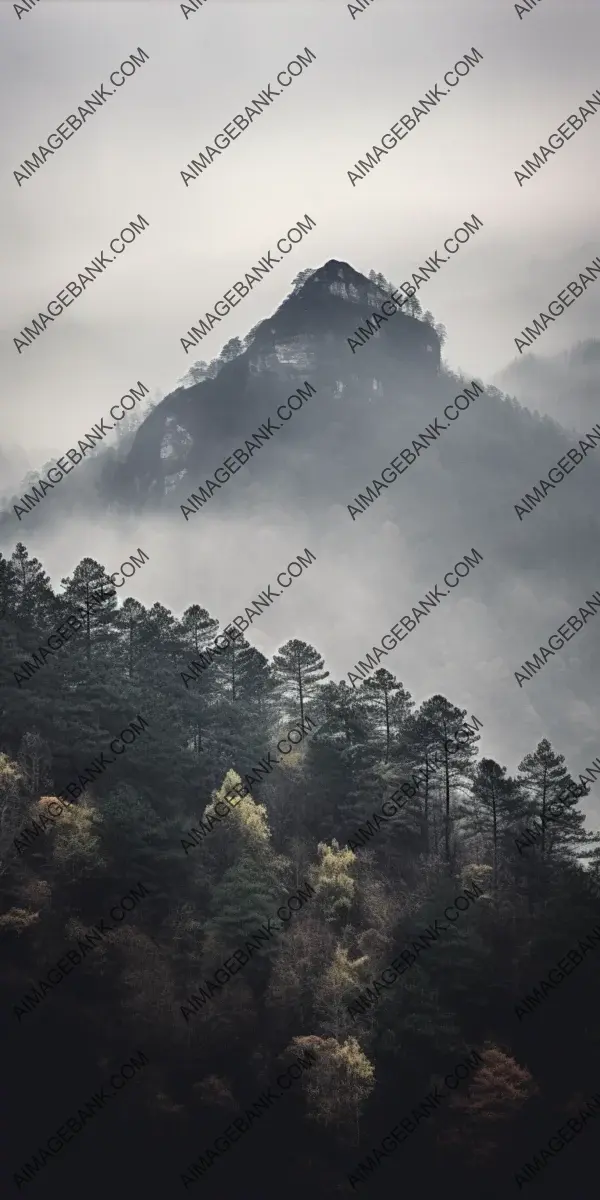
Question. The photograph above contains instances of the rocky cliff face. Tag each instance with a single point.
(186, 436)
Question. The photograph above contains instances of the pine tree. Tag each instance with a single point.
(299, 669)
(232, 349)
(130, 619)
(454, 761)
(552, 795)
(258, 687)
(34, 599)
(493, 806)
(89, 594)
(421, 753)
(160, 635)
(198, 631)
(8, 589)
(387, 701)
(235, 666)
(339, 759)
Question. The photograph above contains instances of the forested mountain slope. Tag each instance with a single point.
(316, 825)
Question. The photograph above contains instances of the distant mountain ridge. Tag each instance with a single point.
(565, 386)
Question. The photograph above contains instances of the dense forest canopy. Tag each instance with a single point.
(308, 822)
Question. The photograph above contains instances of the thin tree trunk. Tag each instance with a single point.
(447, 821)
(300, 692)
(88, 639)
(544, 794)
(426, 798)
(495, 837)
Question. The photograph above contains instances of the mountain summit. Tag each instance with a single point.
(305, 340)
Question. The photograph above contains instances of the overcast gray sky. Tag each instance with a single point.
(293, 160)
(126, 159)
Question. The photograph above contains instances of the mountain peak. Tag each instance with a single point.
(339, 278)
(306, 338)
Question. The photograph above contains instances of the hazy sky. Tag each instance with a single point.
(126, 159)
(293, 160)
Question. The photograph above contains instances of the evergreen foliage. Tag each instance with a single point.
(291, 828)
